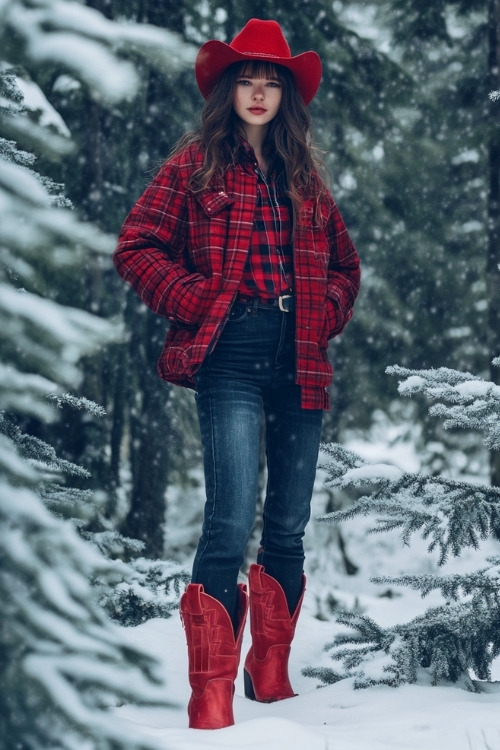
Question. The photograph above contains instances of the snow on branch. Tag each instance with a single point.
(481, 584)
(85, 43)
(439, 647)
(30, 224)
(450, 513)
(78, 402)
(55, 336)
(465, 401)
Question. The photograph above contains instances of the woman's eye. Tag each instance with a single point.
(243, 82)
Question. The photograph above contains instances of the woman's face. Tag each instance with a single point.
(257, 95)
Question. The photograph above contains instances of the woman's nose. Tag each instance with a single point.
(258, 94)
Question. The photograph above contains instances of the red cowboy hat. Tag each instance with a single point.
(258, 40)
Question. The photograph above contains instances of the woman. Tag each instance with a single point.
(238, 243)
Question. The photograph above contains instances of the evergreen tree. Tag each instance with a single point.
(100, 181)
(118, 150)
(139, 588)
(63, 663)
(457, 641)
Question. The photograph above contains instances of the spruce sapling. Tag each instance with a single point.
(458, 640)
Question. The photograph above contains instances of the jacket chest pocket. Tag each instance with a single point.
(213, 201)
(208, 231)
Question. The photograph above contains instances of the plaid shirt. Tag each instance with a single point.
(185, 253)
(269, 267)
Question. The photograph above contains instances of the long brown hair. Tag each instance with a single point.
(288, 145)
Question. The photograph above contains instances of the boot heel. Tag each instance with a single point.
(249, 691)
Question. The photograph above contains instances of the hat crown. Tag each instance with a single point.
(258, 40)
(262, 39)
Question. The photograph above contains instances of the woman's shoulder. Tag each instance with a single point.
(179, 166)
(187, 155)
(316, 189)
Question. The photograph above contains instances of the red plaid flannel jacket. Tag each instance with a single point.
(184, 254)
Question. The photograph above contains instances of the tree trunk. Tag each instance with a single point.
(493, 273)
(150, 431)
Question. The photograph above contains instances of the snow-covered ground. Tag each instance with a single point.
(336, 717)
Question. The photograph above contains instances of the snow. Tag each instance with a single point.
(385, 439)
(371, 473)
(69, 328)
(23, 184)
(334, 717)
(476, 388)
(467, 156)
(414, 382)
(36, 101)
(85, 42)
(103, 72)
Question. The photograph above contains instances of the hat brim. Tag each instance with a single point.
(215, 56)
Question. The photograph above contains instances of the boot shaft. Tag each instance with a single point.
(270, 621)
(213, 656)
(273, 629)
(212, 643)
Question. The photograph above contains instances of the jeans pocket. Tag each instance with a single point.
(239, 312)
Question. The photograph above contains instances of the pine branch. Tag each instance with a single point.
(446, 641)
(481, 585)
(79, 403)
(146, 589)
(465, 401)
(450, 513)
(327, 675)
(40, 454)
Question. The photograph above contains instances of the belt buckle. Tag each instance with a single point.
(281, 299)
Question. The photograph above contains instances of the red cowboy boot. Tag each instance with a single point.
(272, 628)
(213, 655)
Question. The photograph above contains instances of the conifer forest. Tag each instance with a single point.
(101, 482)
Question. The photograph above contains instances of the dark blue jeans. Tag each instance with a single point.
(252, 371)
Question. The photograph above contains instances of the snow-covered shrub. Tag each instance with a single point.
(147, 589)
(457, 641)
